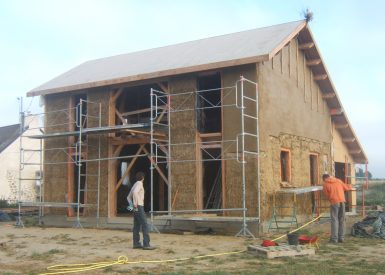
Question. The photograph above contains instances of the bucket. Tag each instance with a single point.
(292, 238)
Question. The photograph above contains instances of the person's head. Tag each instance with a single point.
(325, 176)
(139, 176)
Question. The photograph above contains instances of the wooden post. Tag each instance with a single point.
(70, 162)
(111, 163)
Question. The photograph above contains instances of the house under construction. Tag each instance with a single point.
(220, 126)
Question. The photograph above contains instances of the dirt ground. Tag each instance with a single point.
(31, 250)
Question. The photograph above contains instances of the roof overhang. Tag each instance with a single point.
(329, 94)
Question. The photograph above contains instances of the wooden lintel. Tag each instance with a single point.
(341, 126)
(320, 77)
(313, 62)
(146, 110)
(328, 95)
(348, 140)
(336, 111)
(163, 87)
(131, 140)
(211, 146)
(138, 132)
(129, 167)
(306, 46)
(203, 135)
(156, 167)
(117, 94)
(354, 152)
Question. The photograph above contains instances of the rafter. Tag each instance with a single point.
(320, 77)
(341, 126)
(313, 62)
(355, 152)
(351, 139)
(328, 95)
(306, 46)
(336, 111)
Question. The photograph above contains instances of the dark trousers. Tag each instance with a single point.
(337, 215)
(140, 222)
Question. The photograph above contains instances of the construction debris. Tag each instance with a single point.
(373, 225)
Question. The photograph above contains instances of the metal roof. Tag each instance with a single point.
(211, 53)
(215, 52)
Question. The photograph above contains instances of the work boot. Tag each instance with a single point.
(149, 247)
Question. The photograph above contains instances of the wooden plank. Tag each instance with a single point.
(320, 77)
(211, 146)
(352, 139)
(313, 62)
(111, 183)
(70, 163)
(336, 111)
(116, 94)
(204, 135)
(306, 46)
(354, 152)
(130, 140)
(120, 117)
(141, 111)
(199, 173)
(281, 250)
(163, 87)
(156, 167)
(138, 132)
(341, 126)
(328, 95)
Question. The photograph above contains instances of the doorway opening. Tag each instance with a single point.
(212, 178)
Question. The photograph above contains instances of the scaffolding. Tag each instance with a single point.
(75, 154)
(161, 149)
(245, 142)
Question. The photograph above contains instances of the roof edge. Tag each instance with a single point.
(152, 75)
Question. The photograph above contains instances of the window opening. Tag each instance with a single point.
(285, 165)
(209, 111)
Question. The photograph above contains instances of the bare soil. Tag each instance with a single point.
(31, 250)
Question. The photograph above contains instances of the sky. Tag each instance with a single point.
(41, 39)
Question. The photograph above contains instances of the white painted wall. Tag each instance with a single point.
(9, 167)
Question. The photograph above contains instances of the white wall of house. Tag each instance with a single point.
(9, 168)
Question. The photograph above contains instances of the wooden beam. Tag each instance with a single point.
(116, 94)
(163, 87)
(306, 46)
(137, 132)
(328, 95)
(355, 152)
(111, 183)
(129, 167)
(341, 126)
(130, 140)
(211, 146)
(336, 111)
(70, 163)
(145, 110)
(156, 167)
(313, 62)
(320, 77)
(120, 117)
(351, 139)
(118, 150)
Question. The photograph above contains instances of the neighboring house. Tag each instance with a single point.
(10, 165)
(300, 132)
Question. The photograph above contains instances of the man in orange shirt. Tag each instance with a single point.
(334, 189)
